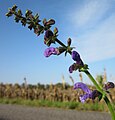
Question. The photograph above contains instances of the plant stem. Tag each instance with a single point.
(110, 107)
(62, 44)
(94, 81)
(58, 41)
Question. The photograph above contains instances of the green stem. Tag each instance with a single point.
(93, 80)
(110, 107)
(66, 47)
(58, 41)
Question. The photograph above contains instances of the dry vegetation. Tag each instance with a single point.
(54, 94)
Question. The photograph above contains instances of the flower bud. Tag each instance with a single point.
(44, 21)
(23, 21)
(28, 12)
(30, 26)
(37, 31)
(9, 14)
(72, 67)
(55, 30)
(17, 19)
(50, 22)
(95, 94)
(48, 37)
(69, 41)
(19, 12)
(76, 56)
(14, 8)
(109, 85)
(48, 34)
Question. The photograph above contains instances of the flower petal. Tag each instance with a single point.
(76, 56)
(49, 51)
(84, 97)
(71, 68)
(82, 86)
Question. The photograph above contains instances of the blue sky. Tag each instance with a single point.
(89, 23)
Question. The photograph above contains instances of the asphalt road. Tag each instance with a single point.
(18, 112)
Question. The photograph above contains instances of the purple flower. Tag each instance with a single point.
(109, 85)
(88, 93)
(94, 94)
(79, 63)
(48, 34)
(85, 88)
(84, 97)
(75, 56)
(91, 94)
(48, 37)
(82, 86)
(49, 51)
(71, 68)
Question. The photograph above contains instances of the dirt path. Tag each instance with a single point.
(18, 112)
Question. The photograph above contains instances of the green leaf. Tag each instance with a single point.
(65, 53)
(44, 21)
(8, 14)
(100, 97)
(55, 31)
(69, 41)
(23, 21)
(17, 19)
(28, 12)
(14, 7)
(19, 12)
(86, 66)
(36, 16)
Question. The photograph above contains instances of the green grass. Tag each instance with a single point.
(64, 105)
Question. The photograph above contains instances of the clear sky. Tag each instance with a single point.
(89, 23)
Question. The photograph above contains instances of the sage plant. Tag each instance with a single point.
(51, 37)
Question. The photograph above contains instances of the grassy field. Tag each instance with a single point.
(56, 104)
(55, 96)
